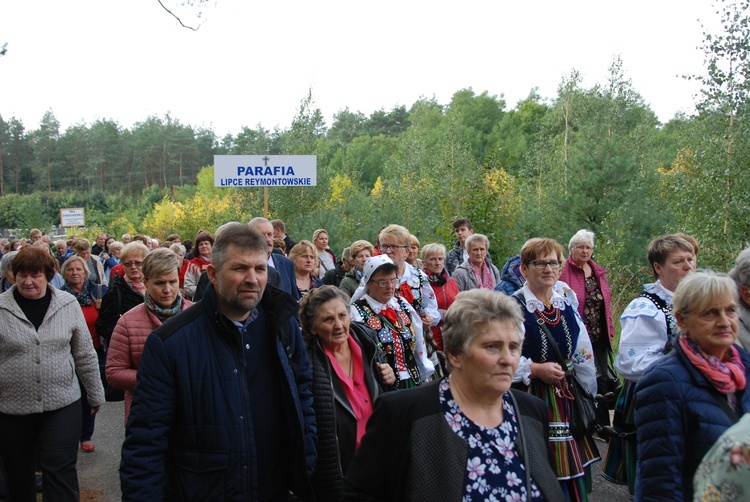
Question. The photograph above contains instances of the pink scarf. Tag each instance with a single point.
(484, 278)
(726, 376)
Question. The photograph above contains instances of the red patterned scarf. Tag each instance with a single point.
(727, 375)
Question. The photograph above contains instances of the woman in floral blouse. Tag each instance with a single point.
(467, 437)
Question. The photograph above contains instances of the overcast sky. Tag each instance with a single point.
(252, 62)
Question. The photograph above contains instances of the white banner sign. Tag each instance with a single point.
(265, 170)
(72, 217)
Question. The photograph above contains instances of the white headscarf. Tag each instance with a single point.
(371, 266)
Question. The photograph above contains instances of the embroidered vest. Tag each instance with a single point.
(389, 335)
(670, 319)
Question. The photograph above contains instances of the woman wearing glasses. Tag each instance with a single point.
(648, 333)
(540, 369)
(413, 285)
(397, 324)
(125, 292)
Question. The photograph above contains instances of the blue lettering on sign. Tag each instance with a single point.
(231, 182)
(265, 171)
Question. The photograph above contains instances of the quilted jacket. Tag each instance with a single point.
(189, 435)
(678, 419)
(336, 422)
(126, 347)
(38, 368)
(576, 279)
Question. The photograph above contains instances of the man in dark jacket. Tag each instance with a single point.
(223, 405)
(283, 265)
(279, 232)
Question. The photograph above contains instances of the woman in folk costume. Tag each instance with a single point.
(540, 370)
(648, 333)
(413, 285)
(397, 324)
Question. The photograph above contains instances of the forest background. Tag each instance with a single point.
(595, 158)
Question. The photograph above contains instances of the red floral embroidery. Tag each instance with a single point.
(405, 292)
(374, 323)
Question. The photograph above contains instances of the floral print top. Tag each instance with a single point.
(593, 309)
(494, 469)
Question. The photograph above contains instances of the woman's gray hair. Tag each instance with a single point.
(160, 261)
(741, 271)
(477, 237)
(477, 307)
(700, 290)
(5, 263)
(64, 269)
(309, 306)
(580, 237)
(135, 247)
(432, 249)
(178, 247)
(115, 246)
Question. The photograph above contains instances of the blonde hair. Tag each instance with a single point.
(71, 259)
(300, 248)
(698, 291)
(399, 233)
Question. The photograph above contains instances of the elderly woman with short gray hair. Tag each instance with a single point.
(476, 271)
(589, 282)
(741, 275)
(433, 454)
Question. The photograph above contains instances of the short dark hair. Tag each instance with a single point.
(240, 235)
(310, 304)
(462, 222)
(203, 236)
(279, 225)
(660, 248)
(32, 260)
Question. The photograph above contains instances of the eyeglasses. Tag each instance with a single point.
(541, 265)
(386, 282)
(129, 264)
(389, 247)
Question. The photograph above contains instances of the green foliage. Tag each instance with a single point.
(589, 157)
(711, 174)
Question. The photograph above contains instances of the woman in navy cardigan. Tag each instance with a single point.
(687, 399)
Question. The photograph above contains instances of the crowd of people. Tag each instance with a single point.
(256, 367)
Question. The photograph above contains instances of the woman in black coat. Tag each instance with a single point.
(347, 378)
(421, 444)
(125, 292)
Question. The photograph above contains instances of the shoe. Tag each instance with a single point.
(38, 482)
(87, 446)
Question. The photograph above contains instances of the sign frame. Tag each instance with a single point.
(72, 217)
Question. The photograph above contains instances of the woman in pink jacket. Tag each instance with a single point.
(589, 281)
(161, 277)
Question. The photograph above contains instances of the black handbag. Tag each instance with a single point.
(113, 394)
(582, 411)
(582, 417)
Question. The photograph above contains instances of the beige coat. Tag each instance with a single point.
(38, 368)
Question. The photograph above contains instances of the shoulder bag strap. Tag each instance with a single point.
(524, 444)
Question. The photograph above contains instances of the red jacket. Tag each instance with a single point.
(444, 295)
(575, 277)
(126, 347)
